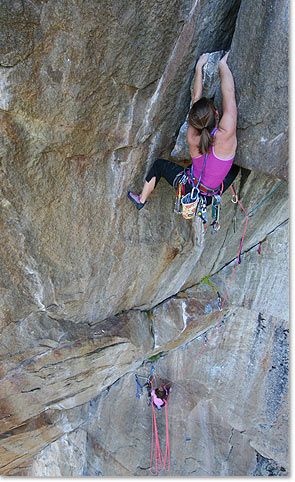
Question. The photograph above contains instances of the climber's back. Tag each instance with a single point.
(205, 134)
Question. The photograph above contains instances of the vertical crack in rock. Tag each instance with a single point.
(168, 73)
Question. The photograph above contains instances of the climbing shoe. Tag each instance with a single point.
(135, 199)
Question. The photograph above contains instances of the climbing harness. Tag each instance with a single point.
(194, 203)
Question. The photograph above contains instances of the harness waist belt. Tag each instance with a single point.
(206, 189)
(203, 189)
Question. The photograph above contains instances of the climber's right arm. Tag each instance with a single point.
(198, 84)
(228, 122)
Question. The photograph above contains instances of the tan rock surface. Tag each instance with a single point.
(229, 401)
(83, 116)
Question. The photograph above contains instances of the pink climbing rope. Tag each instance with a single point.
(156, 454)
(245, 225)
(157, 460)
(238, 256)
(167, 450)
(233, 273)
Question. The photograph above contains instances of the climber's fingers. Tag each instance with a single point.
(202, 60)
(224, 58)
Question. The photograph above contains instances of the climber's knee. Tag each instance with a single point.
(156, 170)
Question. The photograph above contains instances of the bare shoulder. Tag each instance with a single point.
(225, 144)
(193, 140)
(192, 136)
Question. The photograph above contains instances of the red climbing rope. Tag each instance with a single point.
(247, 214)
(236, 200)
(157, 460)
(167, 450)
(156, 454)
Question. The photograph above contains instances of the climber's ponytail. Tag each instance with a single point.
(202, 117)
(206, 141)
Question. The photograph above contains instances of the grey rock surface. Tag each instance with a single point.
(234, 393)
(261, 81)
(265, 200)
(229, 400)
(83, 114)
(66, 457)
(261, 43)
(228, 408)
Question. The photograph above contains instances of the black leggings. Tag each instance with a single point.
(169, 170)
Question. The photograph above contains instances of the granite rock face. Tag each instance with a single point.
(229, 370)
(261, 43)
(241, 353)
(85, 109)
(262, 96)
(92, 290)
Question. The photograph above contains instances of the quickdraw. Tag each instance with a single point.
(216, 206)
(147, 383)
(202, 209)
(180, 192)
(219, 301)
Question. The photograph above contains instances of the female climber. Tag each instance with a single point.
(206, 135)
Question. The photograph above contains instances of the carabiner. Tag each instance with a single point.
(219, 301)
(193, 197)
(234, 199)
(215, 226)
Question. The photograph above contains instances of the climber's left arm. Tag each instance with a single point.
(198, 84)
(228, 121)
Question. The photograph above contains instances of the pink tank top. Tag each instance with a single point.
(215, 169)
